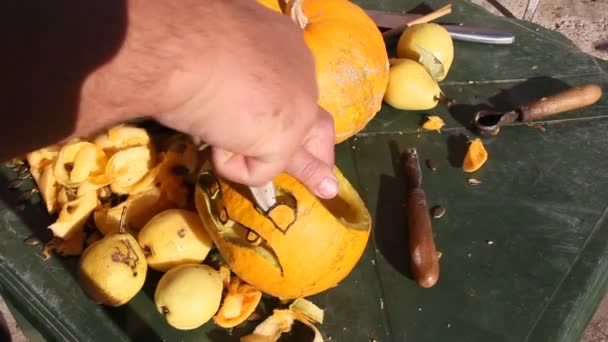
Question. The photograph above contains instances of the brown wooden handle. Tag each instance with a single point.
(573, 98)
(424, 260)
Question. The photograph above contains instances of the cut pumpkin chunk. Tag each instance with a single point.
(74, 215)
(433, 123)
(239, 303)
(77, 162)
(141, 207)
(280, 322)
(475, 157)
(49, 188)
(126, 167)
(122, 137)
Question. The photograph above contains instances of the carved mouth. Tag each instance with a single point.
(232, 231)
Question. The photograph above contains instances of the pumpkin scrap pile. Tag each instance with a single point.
(128, 203)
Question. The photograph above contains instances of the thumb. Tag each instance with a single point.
(313, 173)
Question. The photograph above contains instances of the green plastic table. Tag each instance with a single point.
(524, 252)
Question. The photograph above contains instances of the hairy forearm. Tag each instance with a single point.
(72, 67)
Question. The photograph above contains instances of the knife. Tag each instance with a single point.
(264, 196)
(396, 21)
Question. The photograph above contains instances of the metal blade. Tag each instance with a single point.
(411, 165)
(395, 20)
(264, 195)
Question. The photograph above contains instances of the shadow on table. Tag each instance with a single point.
(391, 219)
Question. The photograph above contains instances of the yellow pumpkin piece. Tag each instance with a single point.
(126, 167)
(351, 60)
(431, 45)
(141, 207)
(88, 186)
(38, 159)
(238, 304)
(121, 137)
(433, 123)
(73, 215)
(475, 157)
(49, 188)
(280, 322)
(72, 246)
(182, 152)
(307, 308)
(77, 162)
(301, 252)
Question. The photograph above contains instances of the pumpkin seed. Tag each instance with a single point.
(15, 183)
(24, 196)
(473, 181)
(438, 211)
(431, 164)
(14, 163)
(31, 240)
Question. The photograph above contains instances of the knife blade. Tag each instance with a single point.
(264, 196)
(396, 20)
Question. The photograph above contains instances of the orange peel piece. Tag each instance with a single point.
(238, 304)
(433, 123)
(475, 157)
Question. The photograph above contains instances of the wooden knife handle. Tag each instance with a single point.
(424, 260)
(573, 98)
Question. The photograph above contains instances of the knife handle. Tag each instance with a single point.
(570, 99)
(424, 259)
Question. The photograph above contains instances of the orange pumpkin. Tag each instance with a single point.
(300, 247)
(351, 59)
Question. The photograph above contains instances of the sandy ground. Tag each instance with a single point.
(585, 22)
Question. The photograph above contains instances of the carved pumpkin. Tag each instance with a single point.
(301, 246)
(351, 59)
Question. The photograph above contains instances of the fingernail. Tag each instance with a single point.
(328, 187)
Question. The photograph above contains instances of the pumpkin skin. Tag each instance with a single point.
(351, 61)
(303, 246)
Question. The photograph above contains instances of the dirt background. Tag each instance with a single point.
(585, 22)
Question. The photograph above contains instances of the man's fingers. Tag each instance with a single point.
(244, 170)
(321, 140)
(316, 175)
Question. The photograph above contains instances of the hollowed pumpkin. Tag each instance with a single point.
(302, 246)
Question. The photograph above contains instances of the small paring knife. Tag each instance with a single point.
(393, 20)
(264, 196)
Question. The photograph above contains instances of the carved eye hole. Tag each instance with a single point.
(253, 237)
(223, 216)
(209, 184)
(285, 212)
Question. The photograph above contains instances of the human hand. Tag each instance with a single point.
(254, 100)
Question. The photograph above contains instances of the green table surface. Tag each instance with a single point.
(524, 253)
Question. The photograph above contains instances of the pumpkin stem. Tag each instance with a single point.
(297, 14)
